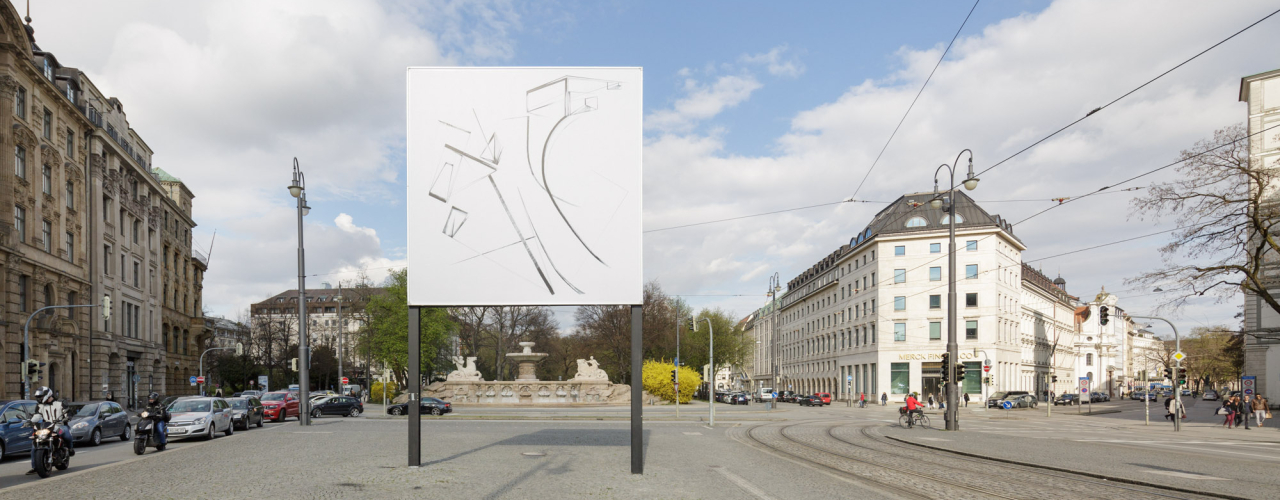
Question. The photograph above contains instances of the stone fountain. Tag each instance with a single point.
(590, 385)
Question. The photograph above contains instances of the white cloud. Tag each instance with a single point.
(702, 102)
(776, 63)
(1014, 82)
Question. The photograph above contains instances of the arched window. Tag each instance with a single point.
(946, 219)
(917, 222)
(48, 295)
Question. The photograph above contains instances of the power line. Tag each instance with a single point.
(1117, 242)
(1127, 94)
(916, 98)
(760, 214)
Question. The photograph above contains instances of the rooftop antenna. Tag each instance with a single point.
(28, 18)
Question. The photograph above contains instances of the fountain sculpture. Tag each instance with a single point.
(590, 385)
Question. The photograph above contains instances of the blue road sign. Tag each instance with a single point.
(1006, 405)
(192, 379)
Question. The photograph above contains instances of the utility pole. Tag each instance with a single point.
(953, 347)
(342, 386)
(774, 288)
(298, 190)
(1177, 391)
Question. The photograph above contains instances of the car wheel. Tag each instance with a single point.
(212, 434)
(124, 436)
(435, 412)
(397, 411)
(355, 412)
(1, 449)
(95, 438)
(315, 413)
(280, 416)
(260, 419)
(231, 428)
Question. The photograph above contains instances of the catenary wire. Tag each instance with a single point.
(916, 98)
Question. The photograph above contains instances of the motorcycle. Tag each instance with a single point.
(49, 450)
(148, 433)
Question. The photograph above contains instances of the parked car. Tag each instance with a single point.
(426, 405)
(826, 397)
(251, 394)
(14, 437)
(994, 400)
(246, 411)
(1022, 400)
(1067, 399)
(346, 406)
(280, 405)
(93, 421)
(1143, 395)
(786, 396)
(200, 416)
(739, 399)
(1210, 395)
(813, 400)
(1098, 397)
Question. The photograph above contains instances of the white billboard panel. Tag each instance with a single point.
(524, 186)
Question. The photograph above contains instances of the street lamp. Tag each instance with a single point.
(775, 287)
(342, 386)
(297, 189)
(711, 395)
(953, 348)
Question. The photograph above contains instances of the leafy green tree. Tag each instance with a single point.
(732, 345)
(388, 329)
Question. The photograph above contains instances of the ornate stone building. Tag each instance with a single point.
(89, 219)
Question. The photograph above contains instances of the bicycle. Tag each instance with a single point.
(917, 419)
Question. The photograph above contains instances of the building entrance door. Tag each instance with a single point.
(930, 381)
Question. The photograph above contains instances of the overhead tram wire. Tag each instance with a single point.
(916, 98)
(1127, 94)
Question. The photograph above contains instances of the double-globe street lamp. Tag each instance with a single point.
(953, 348)
(297, 189)
(774, 288)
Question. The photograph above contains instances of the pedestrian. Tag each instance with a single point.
(966, 400)
(1260, 408)
(1227, 409)
(1168, 409)
(931, 401)
(218, 392)
(884, 398)
(862, 400)
(1246, 409)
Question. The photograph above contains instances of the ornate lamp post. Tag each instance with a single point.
(953, 348)
(297, 189)
(774, 288)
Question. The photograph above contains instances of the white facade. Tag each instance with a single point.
(1047, 336)
(1261, 322)
(1113, 357)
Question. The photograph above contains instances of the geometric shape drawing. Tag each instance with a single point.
(454, 222)
(580, 130)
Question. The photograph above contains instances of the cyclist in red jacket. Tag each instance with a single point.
(913, 408)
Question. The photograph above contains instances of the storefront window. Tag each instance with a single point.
(972, 377)
(900, 377)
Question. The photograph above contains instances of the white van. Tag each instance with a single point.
(764, 394)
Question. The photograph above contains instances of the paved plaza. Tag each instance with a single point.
(791, 452)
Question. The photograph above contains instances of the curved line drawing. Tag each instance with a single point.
(550, 262)
(521, 235)
(529, 160)
(547, 187)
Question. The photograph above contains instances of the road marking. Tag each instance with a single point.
(932, 439)
(742, 483)
(1186, 475)
(692, 433)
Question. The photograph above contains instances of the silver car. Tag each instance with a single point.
(200, 416)
(1022, 401)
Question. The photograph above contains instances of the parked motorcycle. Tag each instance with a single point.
(149, 433)
(49, 449)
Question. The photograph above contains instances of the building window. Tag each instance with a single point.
(133, 188)
(935, 302)
(899, 332)
(20, 222)
(971, 245)
(24, 283)
(946, 219)
(20, 103)
(899, 275)
(71, 247)
(899, 303)
(971, 329)
(72, 299)
(935, 274)
(935, 248)
(48, 124)
(137, 228)
(972, 383)
(48, 72)
(1088, 359)
(71, 195)
(71, 138)
(935, 330)
(46, 235)
(900, 250)
(917, 222)
(46, 180)
(20, 162)
(135, 274)
(122, 222)
(900, 378)
(48, 295)
(971, 271)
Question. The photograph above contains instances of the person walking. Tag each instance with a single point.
(966, 400)
(1229, 406)
(931, 401)
(884, 398)
(1246, 409)
(1168, 408)
(862, 400)
(218, 392)
(1260, 408)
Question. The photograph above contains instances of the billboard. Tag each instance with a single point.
(524, 186)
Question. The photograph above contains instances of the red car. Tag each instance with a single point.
(280, 405)
(825, 396)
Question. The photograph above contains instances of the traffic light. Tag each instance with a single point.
(1168, 373)
(33, 371)
(675, 380)
(293, 363)
(946, 367)
(959, 372)
(1182, 376)
(1055, 379)
(1104, 315)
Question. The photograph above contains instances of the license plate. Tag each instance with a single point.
(177, 430)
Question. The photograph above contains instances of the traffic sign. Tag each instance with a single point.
(193, 380)
(1084, 384)
(1006, 404)
(200, 379)
(848, 378)
(986, 368)
(1179, 355)
(1248, 384)
(345, 380)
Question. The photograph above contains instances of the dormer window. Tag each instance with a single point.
(71, 93)
(48, 70)
(946, 219)
(917, 222)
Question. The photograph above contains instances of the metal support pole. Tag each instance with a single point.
(342, 387)
(677, 364)
(637, 375)
(206, 351)
(952, 414)
(26, 346)
(415, 388)
(304, 347)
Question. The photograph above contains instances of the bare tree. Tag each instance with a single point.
(1226, 211)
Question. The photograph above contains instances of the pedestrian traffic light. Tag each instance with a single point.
(946, 367)
(1182, 376)
(293, 363)
(675, 380)
(959, 372)
(1104, 315)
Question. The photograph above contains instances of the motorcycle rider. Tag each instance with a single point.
(51, 410)
(161, 416)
